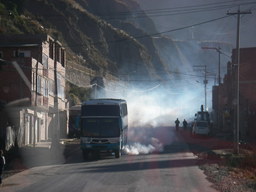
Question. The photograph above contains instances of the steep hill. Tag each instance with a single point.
(101, 36)
(124, 15)
(104, 45)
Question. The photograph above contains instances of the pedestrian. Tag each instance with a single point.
(185, 124)
(177, 123)
(2, 164)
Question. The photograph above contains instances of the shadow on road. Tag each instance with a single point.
(147, 165)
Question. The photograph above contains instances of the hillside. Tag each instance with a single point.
(102, 37)
(124, 15)
(105, 46)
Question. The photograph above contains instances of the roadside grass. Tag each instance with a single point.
(243, 166)
(246, 159)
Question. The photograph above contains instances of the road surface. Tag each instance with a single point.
(173, 169)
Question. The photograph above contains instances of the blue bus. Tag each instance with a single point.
(104, 126)
(74, 121)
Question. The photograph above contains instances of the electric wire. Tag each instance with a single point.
(150, 35)
(174, 11)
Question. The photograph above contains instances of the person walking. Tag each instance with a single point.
(185, 124)
(2, 164)
(177, 123)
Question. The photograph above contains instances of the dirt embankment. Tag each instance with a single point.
(228, 172)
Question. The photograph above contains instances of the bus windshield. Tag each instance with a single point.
(101, 110)
(100, 127)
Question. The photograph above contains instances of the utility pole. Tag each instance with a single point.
(205, 84)
(218, 49)
(236, 138)
(55, 142)
(35, 104)
(36, 123)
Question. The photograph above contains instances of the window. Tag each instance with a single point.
(57, 52)
(34, 81)
(63, 57)
(15, 53)
(21, 53)
(45, 87)
(27, 53)
(124, 109)
(101, 110)
(51, 87)
(51, 49)
(60, 88)
(39, 85)
(45, 61)
(61, 93)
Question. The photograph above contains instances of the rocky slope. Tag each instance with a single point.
(103, 37)
(100, 45)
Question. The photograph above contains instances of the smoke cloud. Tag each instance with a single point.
(152, 112)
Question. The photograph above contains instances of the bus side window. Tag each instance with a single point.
(124, 109)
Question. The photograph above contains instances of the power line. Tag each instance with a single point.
(176, 10)
(177, 29)
(197, 6)
(151, 35)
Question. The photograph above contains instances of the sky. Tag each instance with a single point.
(158, 106)
(173, 14)
(165, 103)
(204, 23)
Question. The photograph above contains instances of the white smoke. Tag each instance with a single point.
(143, 145)
(151, 115)
(160, 107)
(137, 148)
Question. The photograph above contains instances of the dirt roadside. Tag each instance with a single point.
(228, 172)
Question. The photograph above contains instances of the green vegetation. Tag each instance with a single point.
(247, 160)
(13, 22)
(104, 47)
(78, 94)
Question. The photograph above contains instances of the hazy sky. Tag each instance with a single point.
(163, 104)
(173, 14)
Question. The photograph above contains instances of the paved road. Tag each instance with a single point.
(174, 169)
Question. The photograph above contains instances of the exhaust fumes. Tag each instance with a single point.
(151, 115)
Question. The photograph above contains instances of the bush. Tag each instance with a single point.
(242, 161)
(234, 160)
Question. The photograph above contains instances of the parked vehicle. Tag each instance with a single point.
(201, 128)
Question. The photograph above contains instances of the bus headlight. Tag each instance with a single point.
(114, 140)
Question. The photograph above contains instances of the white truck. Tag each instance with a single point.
(201, 124)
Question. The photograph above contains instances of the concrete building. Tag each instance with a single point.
(28, 88)
(225, 95)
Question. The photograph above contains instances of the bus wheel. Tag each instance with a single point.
(118, 153)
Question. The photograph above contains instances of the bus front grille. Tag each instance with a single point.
(98, 141)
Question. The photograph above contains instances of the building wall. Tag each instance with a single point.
(247, 94)
(247, 91)
(12, 86)
(36, 60)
